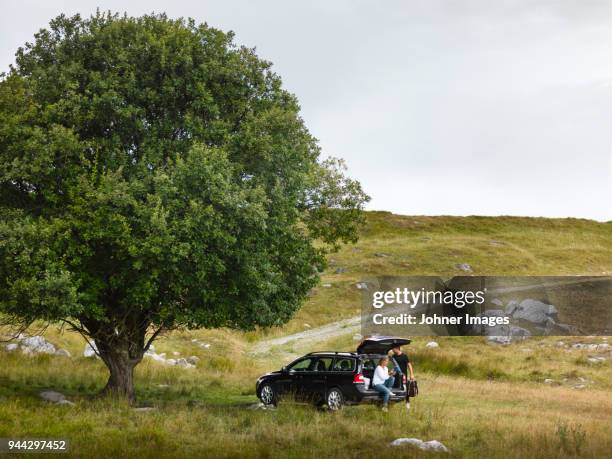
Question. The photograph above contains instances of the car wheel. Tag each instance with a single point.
(267, 395)
(335, 400)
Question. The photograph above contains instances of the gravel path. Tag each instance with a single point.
(342, 327)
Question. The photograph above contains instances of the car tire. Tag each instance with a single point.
(335, 399)
(267, 395)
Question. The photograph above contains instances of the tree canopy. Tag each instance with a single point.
(153, 174)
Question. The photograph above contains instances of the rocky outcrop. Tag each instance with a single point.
(32, 345)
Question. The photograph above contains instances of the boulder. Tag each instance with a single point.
(52, 396)
(511, 307)
(340, 270)
(497, 302)
(63, 353)
(361, 286)
(193, 359)
(432, 445)
(36, 345)
(432, 344)
(590, 347)
(261, 406)
(464, 267)
(11, 347)
(183, 363)
(505, 334)
(535, 311)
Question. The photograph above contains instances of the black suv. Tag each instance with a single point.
(333, 378)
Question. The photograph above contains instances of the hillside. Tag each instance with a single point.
(480, 400)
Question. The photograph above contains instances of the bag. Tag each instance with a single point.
(413, 389)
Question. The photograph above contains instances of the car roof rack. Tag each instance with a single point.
(333, 352)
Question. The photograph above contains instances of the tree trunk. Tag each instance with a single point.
(121, 357)
(121, 380)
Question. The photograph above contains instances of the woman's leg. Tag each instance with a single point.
(385, 391)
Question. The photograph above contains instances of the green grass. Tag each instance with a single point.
(479, 400)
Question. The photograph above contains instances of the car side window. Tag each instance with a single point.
(301, 365)
(344, 364)
(369, 364)
(323, 364)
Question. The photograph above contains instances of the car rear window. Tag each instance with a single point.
(344, 364)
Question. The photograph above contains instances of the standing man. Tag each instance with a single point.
(401, 360)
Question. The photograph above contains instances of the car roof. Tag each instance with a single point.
(331, 354)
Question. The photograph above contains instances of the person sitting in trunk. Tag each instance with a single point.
(402, 361)
(383, 380)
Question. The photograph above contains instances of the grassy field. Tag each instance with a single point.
(479, 400)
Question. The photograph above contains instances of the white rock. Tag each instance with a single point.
(193, 359)
(183, 363)
(176, 353)
(361, 286)
(326, 285)
(535, 311)
(37, 345)
(464, 267)
(143, 409)
(307, 325)
(90, 350)
(579, 386)
(590, 347)
(63, 353)
(548, 381)
(52, 396)
(432, 445)
(511, 307)
(261, 406)
(11, 347)
(497, 302)
(66, 402)
(432, 344)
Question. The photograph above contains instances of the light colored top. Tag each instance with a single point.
(381, 374)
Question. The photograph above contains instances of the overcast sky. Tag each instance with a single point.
(439, 107)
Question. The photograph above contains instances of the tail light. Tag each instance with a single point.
(404, 379)
(358, 379)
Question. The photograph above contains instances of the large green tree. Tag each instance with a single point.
(154, 175)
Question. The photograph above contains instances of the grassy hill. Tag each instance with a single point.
(401, 245)
(536, 397)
